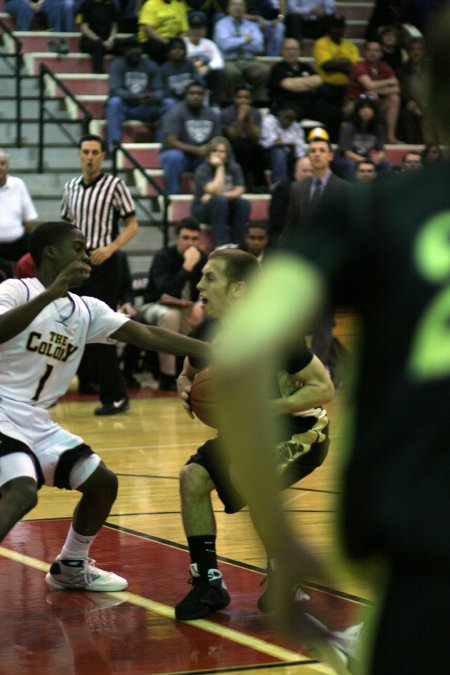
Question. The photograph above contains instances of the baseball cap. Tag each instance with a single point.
(318, 134)
(197, 19)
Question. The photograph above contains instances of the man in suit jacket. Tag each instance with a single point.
(323, 184)
(304, 198)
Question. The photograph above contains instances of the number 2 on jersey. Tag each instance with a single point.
(430, 355)
(42, 381)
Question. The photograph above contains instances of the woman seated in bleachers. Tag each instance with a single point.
(361, 137)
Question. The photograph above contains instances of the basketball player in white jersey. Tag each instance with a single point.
(43, 331)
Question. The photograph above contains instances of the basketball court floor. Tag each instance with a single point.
(134, 632)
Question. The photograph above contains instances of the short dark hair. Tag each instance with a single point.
(48, 234)
(259, 224)
(187, 223)
(92, 137)
(176, 42)
(195, 83)
(238, 264)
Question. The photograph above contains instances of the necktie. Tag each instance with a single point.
(316, 195)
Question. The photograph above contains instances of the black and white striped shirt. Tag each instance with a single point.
(97, 208)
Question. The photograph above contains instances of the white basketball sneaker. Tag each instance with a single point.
(82, 575)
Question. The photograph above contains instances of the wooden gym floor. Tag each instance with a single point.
(134, 632)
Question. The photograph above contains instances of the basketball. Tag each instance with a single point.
(203, 397)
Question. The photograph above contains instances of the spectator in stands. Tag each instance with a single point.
(412, 80)
(242, 126)
(97, 20)
(159, 21)
(361, 138)
(389, 37)
(240, 41)
(305, 196)
(176, 72)
(279, 200)
(218, 201)
(268, 15)
(432, 153)
(411, 161)
(256, 239)
(206, 57)
(24, 12)
(284, 141)
(375, 78)
(308, 18)
(17, 216)
(172, 290)
(333, 58)
(187, 129)
(366, 171)
(390, 13)
(135, 89)
(294, 81)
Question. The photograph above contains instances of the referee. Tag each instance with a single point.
(95, 202)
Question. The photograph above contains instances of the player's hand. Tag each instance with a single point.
(101, 254)
(70, 277)
(184, 385)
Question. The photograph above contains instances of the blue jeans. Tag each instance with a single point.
(117, 111)
(274, 36)
(174, 163)
(222, 213)
(53, 10)
(279, 163)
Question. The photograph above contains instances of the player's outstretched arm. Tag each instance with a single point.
(15, 320)
(162, 340)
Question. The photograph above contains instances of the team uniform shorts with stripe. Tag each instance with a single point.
(32, 445)
(211, 459)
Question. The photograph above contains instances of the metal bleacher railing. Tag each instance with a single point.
(82, 119)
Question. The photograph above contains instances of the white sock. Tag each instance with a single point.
(76, 546)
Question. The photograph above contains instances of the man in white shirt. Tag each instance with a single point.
(206, 56)
(17, 215)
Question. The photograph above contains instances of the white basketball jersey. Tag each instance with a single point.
(38, 365)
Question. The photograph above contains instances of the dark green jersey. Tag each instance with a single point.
(385, 253)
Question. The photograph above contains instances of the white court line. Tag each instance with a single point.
(238, 637)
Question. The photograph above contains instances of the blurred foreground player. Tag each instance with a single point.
(387, 256)
(302, 387)
(43, 331)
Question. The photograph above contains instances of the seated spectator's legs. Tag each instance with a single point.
(278, 164)
(97, 51)
(114, 119)
(22, 12)
(216, 213)
(117, 111)
(239, 215)
(390, 108)
(174, 162)
(256, 73)
(214, 82)
(299, 28)
(232, 75)
(165, 317)
(250, 156)
(54, 11)
(274, 35)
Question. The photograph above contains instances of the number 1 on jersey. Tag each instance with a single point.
(42, 381)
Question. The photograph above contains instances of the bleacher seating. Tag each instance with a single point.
(74, 70)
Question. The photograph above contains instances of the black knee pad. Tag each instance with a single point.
(66, 463)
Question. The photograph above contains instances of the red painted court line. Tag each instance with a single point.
(78, 630)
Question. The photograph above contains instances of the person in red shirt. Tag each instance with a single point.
(374, 78)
